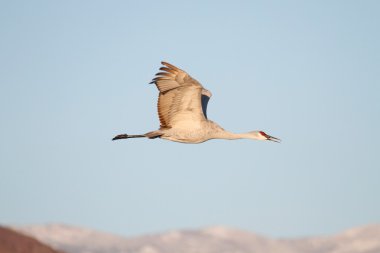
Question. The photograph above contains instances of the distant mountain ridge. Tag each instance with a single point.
(14, 242)
(208, 240)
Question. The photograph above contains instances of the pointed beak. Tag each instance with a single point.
(271, 138)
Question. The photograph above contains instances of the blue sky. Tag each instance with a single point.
(74, 74)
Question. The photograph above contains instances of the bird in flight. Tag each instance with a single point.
(182, 110)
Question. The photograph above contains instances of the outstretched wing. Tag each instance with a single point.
(206, 95)
(182, 101)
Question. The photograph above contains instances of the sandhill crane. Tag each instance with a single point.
(182, 105)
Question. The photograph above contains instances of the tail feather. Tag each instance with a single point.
(153, 134)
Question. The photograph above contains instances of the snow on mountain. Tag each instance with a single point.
(12, 241)
(74, 239)
(208, 240)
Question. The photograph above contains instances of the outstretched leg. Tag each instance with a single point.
(126, 136)
(150, 135)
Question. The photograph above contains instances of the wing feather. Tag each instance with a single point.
(180, 99)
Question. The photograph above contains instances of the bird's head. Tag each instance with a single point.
(260, 135)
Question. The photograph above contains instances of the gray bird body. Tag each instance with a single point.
(182, 110)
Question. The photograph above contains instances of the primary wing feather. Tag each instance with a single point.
(180, 102)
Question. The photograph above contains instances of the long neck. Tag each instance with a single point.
(233, 136)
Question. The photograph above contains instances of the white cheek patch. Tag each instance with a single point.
(262, 135)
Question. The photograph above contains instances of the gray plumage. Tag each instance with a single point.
(182, 110)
